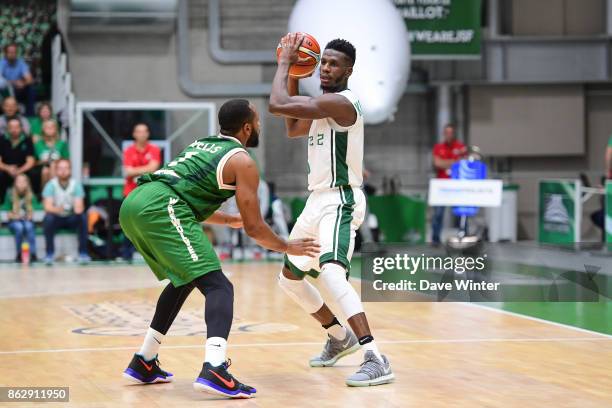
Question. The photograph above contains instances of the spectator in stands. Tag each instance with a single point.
(43, 114)
(10, 110)
(16, 155)
(445, 154)
(17, 72)
(48, 150)
(64, 204)
(20, 216)
(140, 158)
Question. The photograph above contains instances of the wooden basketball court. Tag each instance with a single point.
(78, 327)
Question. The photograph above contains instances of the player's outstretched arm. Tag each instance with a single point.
(223, 218)
(242, 168)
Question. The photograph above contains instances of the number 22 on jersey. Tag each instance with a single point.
(320, 138)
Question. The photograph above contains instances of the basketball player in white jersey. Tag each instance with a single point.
(335, 208)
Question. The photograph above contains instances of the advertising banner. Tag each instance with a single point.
(559, 211)
(442, 29)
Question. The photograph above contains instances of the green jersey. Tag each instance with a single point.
(47, 154)
(196, 175)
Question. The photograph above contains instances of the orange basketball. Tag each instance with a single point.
(309, 56)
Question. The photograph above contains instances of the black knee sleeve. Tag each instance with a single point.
(219, 310)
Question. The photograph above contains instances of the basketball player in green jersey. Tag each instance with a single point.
(335, 208)
(162, 219)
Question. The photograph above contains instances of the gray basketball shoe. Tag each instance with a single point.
(335, 349)
(372, 372)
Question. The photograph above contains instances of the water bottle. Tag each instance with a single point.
(25, 253)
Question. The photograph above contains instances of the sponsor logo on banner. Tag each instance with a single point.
(444, 29)
(556, 217)
(451, 192)
(559, 206)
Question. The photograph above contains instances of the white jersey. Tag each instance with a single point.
(335, 153)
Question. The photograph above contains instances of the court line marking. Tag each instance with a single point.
(537, 319)
(318, 343)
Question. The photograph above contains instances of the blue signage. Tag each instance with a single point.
(468, 170)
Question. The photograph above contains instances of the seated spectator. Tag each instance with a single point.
(64, 203)
(17, 73)
(20, 217)
(16, 155)
(43, 114)
(10, 110)
(48, 150)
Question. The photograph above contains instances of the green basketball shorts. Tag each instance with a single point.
(164, 230)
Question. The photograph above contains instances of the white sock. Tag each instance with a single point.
(371, 346)
(151, 343)
(337, 331)
(215, 351)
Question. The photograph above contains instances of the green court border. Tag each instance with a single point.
(595, 317)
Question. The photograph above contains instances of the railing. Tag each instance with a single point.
(62, 98)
